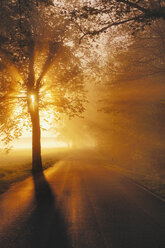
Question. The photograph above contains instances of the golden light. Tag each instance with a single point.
(32, 98)
(48, 122)
(32, 101)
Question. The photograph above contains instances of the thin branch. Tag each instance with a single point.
(96, 32)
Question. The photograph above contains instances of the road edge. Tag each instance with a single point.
(137, 184)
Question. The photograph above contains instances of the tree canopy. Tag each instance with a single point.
(96, 17)
(38, 69)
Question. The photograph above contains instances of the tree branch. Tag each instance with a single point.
(53, 49)
(96, 32)
(134, 5)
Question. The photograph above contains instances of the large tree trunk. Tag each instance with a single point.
(33, 108)
(36, 141)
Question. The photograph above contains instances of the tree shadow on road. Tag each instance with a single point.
(48, 228)
(42, 225)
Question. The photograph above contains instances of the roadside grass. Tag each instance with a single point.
(150, 179)
(16, 165)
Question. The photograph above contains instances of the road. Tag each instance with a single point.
(80, 203)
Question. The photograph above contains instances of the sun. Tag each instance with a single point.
(48, 115)
(32, 98)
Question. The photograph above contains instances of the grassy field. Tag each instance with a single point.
(16, 165)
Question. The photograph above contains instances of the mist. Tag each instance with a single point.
(128, 129)
(124, 121)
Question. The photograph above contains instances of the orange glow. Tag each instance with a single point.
(48, 140)
(48, 120)
(32, 99)
(33, 102)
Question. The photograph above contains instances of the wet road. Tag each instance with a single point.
(81, 204)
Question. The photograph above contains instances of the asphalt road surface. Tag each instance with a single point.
(81, 204)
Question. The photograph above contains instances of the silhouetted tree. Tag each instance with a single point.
(37, 69)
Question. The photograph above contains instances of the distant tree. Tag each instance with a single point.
(143, 57)
(38, 71)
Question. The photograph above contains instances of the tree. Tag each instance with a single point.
(99, 16)
(37, 69)
(142, 58)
